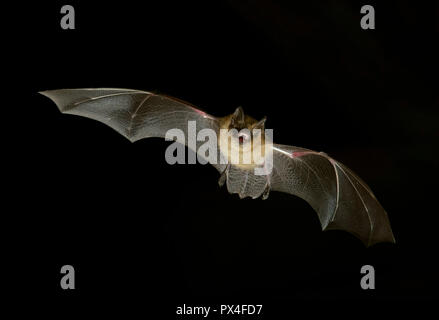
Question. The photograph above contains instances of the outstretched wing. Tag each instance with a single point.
(134, 114)
(340, 198)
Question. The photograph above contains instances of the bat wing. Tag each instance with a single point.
(134, 114)
(340, 198)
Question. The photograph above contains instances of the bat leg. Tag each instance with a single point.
(266, 192)
(223, 177)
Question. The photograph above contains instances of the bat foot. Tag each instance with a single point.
(266, 192)
(223, 177)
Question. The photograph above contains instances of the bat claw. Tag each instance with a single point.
(266, 192)
(223, 177)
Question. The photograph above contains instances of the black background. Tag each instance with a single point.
(145, 236)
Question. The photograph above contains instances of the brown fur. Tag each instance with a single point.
(249, 123)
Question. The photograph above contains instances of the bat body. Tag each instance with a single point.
(340, 198)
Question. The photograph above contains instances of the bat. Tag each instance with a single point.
(341, 199)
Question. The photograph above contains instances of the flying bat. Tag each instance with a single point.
(341, 199)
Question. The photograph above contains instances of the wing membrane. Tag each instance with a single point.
(134, 114)
(340, 198)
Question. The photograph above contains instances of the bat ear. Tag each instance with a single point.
(260, 124)
(238, 116)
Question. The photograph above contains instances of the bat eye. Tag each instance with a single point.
(242, 138)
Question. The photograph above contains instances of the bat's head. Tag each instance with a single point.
(239, 121)
(243, 136)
